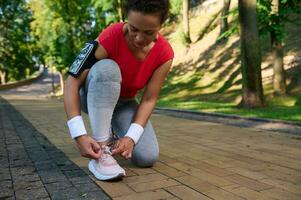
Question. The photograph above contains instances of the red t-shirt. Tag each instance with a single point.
(135, 73)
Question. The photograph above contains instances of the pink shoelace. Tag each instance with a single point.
(106, 157)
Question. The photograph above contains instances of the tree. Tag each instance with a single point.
(185, 13)
(42, 20)
(15, 41)
(224, 16)
(252, 90)
(175, 9)
(273, 15)
(120, 9)
(107, 11)
(279, 84)
(61, 28)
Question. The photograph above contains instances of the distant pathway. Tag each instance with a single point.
(41, 88)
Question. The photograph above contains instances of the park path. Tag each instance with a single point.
(40, 89)
(198, 160)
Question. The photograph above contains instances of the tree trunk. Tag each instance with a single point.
(252, 90)
(52, 80)
(2, 77)
(224, 17)
(120, 10)
(61, 82)
(186, 21)
(279, 82)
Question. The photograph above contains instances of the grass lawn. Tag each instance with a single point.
(283, 108)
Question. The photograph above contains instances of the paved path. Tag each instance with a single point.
(40, 89)
(198, 160)
(33, 168)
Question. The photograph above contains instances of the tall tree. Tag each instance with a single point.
(65, 29)
(252, 90)
(120, 9)
(15, 41)
(224, 16)
(273, 15)
(185, 13)
(108, 11)
(279, 84)
(175, 9)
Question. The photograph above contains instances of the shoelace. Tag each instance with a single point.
(105, 153)
(113, 142)
(106, 150)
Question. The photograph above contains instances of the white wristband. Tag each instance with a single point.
(76, 126)
(134, 132)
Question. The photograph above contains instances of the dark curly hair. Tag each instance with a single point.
(160, 7)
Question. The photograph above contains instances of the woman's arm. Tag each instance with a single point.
(72, 87)
(71, 94)
(151, 93)
(88, 147)
(145, 109)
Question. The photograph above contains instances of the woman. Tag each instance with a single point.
(104, 81)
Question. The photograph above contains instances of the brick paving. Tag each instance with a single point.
(33, 168)
(198, 160)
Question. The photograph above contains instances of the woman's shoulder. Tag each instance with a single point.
(109, 38)
(115, 27)
(164, 44)
(166, 50)
(111, 32)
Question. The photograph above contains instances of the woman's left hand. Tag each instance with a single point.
(124, 147)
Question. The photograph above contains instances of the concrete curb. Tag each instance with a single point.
(21, 83)
(236, 120)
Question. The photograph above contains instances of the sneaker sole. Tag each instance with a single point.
(103, 177)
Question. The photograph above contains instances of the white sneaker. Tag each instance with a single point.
(106, 167)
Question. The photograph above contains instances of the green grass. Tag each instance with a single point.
(283, 108)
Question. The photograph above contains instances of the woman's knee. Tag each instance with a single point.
(145, 159)
(103, 85)
(105, 70)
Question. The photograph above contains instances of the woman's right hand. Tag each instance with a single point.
(88, 147)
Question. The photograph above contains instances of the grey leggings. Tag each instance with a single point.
(100, 99)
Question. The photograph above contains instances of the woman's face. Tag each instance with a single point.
(142, 28)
